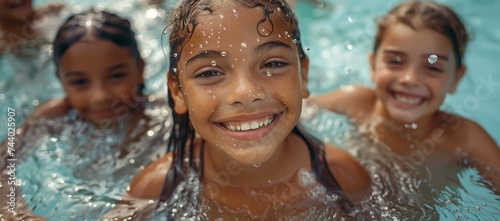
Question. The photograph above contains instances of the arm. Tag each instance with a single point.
(349, 100)
(51, 109)
(352, 177)
(484, 153)
(137, 203)
(148, 184)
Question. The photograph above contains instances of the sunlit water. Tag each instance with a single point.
(68, 170)
(339, 37)
(84, 171)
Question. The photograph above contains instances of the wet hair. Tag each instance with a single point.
(98, 24)
(182, 25)
(427, 15)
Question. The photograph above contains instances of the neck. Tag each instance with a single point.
(419, 129)
(224, 170)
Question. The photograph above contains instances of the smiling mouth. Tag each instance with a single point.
(249, 125)
(411, 100)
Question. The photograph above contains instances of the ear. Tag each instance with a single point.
(304, 74)
(460, 73)
(176, 92)
(371, 59)
(140, 72)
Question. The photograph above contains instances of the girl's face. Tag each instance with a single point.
(243, 91)
(413, 71)
(100, 79)
(15, 10)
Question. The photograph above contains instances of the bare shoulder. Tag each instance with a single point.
(148, 184)
(50, 109)
(477, 143)
(351, 175)
(349, 99)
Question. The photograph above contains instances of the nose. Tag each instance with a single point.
(246, 90)
(411, 76)
(101, 95)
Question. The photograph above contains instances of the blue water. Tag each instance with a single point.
(338, 35)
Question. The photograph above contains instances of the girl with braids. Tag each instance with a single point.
(236, 80)
(106, 128)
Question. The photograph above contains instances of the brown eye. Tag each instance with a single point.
(209, 74)
(275, 64)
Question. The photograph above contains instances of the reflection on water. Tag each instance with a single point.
(433, 188)
(72, 171)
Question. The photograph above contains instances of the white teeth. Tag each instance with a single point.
(408, 100)
(249, 125)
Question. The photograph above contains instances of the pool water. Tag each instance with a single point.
(338, 35)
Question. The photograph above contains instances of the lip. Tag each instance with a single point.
(252, 134)
(416, 100)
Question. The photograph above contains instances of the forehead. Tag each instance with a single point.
(421, 40)
(234, 25)
(94, 52)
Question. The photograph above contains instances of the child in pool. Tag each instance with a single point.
(20, 22)
(236, 78)
(416, 60)
(101, 70)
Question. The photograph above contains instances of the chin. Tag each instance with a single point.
(404, 117)
(253, 155)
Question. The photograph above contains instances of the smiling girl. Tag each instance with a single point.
(237, 77)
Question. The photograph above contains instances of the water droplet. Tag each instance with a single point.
(213, 97)
(268, 73)
(294, 41)
(432, 58)
(201, 46)
(214, 63)
(210, 91)
(175, 55)
(174, 70)
(279, 9)
(243, 44)
(257, 164)
(223, 53)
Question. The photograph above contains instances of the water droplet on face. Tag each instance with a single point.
(279, 9)
(257, 164)
(214, 63)
(214, 97)
(175, 55)
(268, 73)
(223, 53)
(243, 44)
(432, 58)
(294, 41)
(201, 46)
(206, 42)
(210, 91)
(174, 70)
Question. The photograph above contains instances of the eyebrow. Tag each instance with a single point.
(271, 45)
(78, 73)
(440, 56)
(204, 54)
(260, 49)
